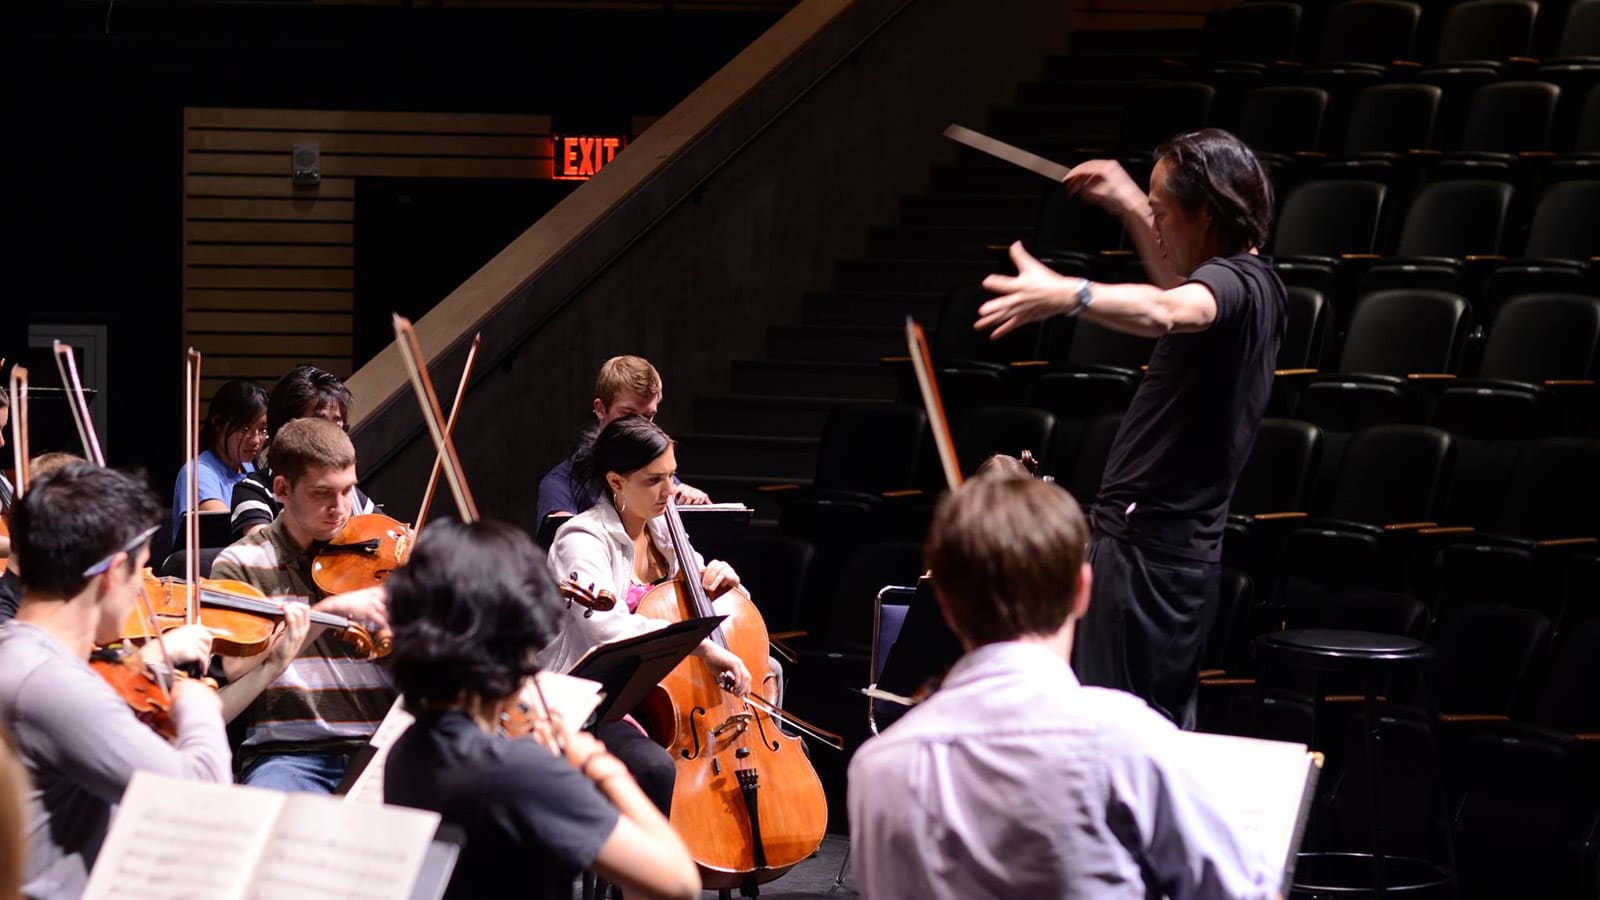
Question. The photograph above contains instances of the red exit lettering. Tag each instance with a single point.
(579, 157)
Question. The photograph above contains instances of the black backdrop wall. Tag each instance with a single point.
(93, 137)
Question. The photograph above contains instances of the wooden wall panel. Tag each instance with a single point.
(269, 268)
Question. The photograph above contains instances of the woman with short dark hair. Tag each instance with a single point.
(469, 611)
(232, 435)
(1218, 311)
(307, 392)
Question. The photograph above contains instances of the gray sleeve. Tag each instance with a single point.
(95, 740)
(1161, 811)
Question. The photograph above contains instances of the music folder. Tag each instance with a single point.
(630, 668)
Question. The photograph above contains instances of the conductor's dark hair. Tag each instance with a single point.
(625, 446)
(72, 519)
(301, 393)
(468, 612)
(234, 407)
(1213, 171)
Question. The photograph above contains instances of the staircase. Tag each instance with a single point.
(767, 429)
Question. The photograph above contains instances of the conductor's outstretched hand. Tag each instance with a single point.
(1035, 293)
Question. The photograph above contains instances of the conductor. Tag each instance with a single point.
(1217, 310)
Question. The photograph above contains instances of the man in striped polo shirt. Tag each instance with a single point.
(302, 725)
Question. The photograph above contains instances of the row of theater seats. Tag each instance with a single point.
(1514, 129)
(1490, 750)
(1523, 367)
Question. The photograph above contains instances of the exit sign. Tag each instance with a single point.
(579, 157)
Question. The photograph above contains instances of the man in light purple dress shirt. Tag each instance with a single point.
(1013, 780)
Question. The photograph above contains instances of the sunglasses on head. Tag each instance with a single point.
(138, 541)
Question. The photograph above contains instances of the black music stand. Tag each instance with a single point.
(924, 651)
(630, 669)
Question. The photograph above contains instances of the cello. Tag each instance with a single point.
(747, 802)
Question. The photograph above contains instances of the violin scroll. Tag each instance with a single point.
(590, 599)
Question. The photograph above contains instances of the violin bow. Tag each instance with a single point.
(191, 487)
(450, 430)
(405, 337)
(19, 427)
(67, 365)
(922, 364)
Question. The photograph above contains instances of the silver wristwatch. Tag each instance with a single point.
(1084, 298)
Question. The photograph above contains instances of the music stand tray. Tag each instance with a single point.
(630, 669)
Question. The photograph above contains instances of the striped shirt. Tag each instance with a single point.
(329, 693)
(253, 504)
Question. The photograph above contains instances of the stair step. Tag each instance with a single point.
(909, 274)
(997, 178)
(835, 343)
(761, 456)
(869, 307)
(1073, 93)
(768, 415)
(1067, 121)
(1164, 40)
(1021, 211)
(866, 381)
(1092, 67)
(942, 241)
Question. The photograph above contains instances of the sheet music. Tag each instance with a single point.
(714, 507)
(573, 699)
(174, 839)
(368, 786)
(1262, 787)
(324, 847)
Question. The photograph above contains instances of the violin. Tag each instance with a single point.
(140, 687)
(369, 547)
(173, 604)
(362, 553)
(139, 684)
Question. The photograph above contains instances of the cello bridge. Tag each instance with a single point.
(733, 726)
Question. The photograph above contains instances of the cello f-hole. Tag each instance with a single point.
(761, 728)
(694, 752)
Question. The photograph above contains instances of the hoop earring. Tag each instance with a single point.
(619, 501)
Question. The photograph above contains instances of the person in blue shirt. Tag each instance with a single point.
(232, 435)
(626, 386)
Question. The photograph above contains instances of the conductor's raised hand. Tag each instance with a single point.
(1104, 183)
(1036, 292)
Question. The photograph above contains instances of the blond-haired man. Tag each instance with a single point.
(626, 386)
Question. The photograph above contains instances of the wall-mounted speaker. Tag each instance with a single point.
(305, 166)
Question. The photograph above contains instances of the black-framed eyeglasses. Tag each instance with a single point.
(139, 540)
